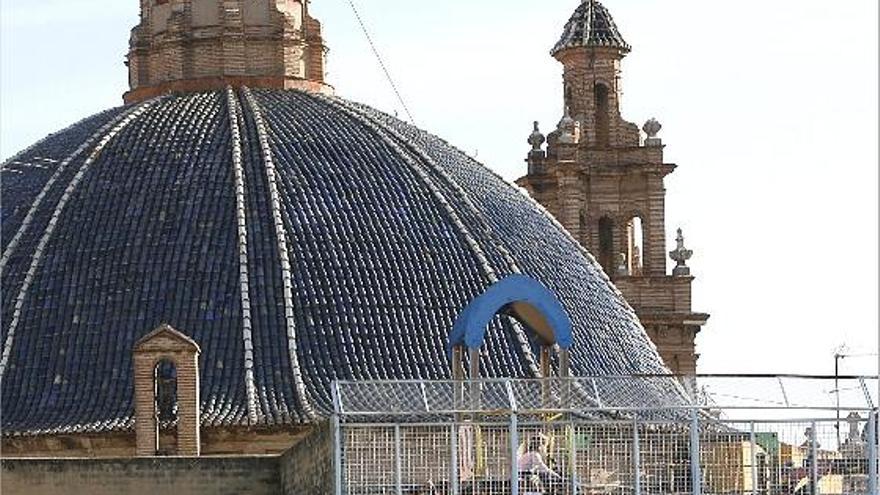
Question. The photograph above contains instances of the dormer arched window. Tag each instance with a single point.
(165, 402)
(165, 376)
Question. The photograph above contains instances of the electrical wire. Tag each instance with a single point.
(381, 62)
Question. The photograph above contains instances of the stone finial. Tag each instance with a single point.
(536, 139)
(810, 433)
(681, 255)
(569, 129)
(652, 127)
(853, 421)
(855, 446)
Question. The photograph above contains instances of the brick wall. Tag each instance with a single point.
(671, 294)
(216, 441)
(307, 468)
(142, 476)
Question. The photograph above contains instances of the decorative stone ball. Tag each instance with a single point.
(652, 127)
(536, 139)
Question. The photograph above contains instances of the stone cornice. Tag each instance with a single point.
(215, 83)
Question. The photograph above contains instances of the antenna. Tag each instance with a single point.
(381, 62)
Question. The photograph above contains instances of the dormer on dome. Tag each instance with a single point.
(166, 391)
(591, 25)
(198, 45)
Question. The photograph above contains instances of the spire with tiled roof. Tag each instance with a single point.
(591, 25)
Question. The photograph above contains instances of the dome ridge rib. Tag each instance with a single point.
(384, 132)
(47, 234)
(284, 254)
(234, 111)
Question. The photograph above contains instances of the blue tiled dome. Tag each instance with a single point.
(296, 238)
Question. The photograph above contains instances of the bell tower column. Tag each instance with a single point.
(654, 228)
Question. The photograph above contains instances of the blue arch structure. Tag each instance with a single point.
(470, 327)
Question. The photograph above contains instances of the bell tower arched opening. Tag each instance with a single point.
(635, 246)
(606, 244)
(583, 228)
(602, 115)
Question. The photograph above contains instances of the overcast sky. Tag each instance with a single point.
(769, 108)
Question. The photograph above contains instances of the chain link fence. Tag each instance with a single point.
(658, 435)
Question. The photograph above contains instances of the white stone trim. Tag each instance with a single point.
(243, 272)
(283, 253)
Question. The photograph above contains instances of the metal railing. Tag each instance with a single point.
(721, 434)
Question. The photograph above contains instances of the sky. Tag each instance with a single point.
(769, 109)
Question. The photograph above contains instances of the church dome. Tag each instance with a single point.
(591, 25)
(297, 238)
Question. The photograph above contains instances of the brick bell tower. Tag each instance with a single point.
(604, 183)
(194, 45)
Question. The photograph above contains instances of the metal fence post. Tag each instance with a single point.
(337, 454)
(637, 458)
(336, 424)
(514, 438)
(398, 462)
(572, 458)
(696, 474)
(753, 457)
(873, 484)
(453, 459)
(514, 451)
(814, 464)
